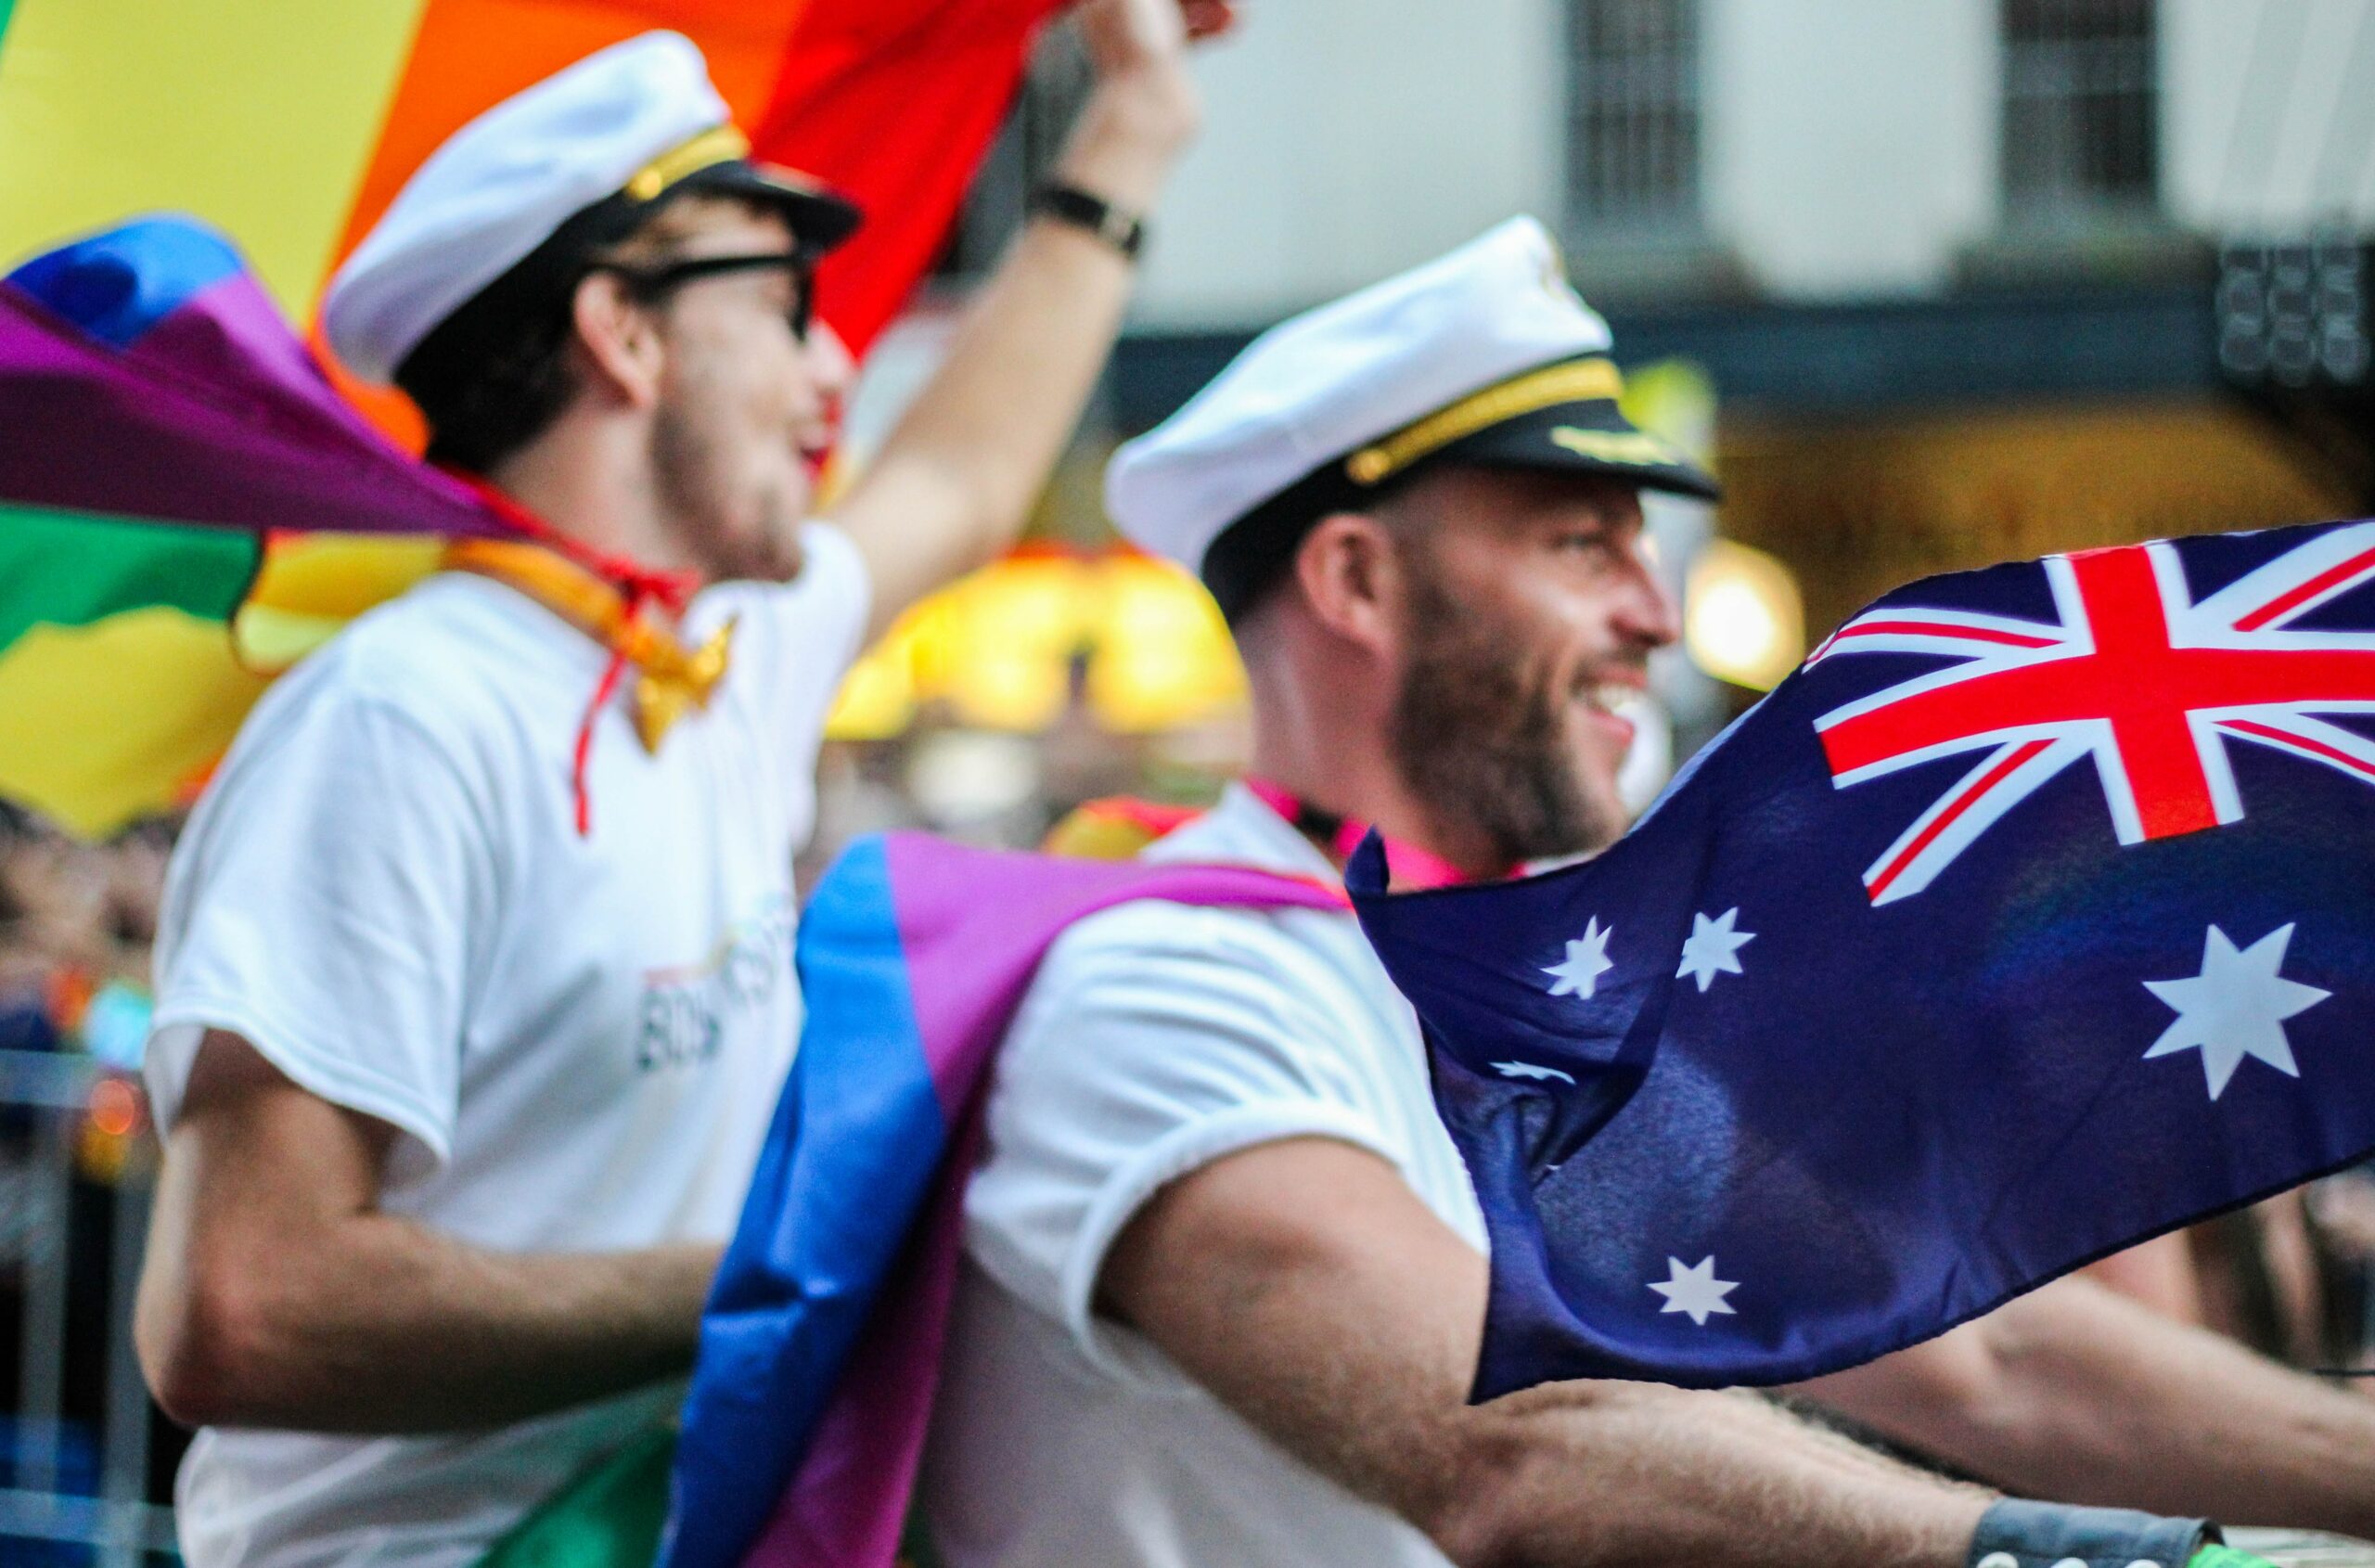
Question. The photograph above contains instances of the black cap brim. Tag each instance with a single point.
(1591, 436)
(820, 217)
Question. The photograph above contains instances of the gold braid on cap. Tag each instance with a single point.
(721, 144)
(1578, 380)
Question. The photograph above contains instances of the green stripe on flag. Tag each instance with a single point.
(70, 569)
(6, 7)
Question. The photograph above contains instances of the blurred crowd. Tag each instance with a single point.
(76, 924)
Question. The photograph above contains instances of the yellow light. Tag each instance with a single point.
(998, 649)
(877, 697)
(1164, 655)
(1742, 619)
(1011, 633)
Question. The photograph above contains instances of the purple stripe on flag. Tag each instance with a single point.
(975, 982)
(216, 414)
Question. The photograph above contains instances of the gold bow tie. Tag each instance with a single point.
(667, 678)
(670, 678)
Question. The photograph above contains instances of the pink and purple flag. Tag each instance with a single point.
(820, 1347)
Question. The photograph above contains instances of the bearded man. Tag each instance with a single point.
(1226, 1278)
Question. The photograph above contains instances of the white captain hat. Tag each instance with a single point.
(502, 217)
(1485, 355)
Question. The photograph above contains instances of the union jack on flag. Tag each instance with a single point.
(1740, 1108)
(2134, 674)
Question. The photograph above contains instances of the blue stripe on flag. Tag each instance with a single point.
(857, 1138)
(117, 285)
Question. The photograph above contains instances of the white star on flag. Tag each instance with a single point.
(1695, 1289)
(2235, 1008)
(1713, 948)
(1586, 962)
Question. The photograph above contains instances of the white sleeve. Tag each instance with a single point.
(794, 641)
(326, 906)
(1157, 1040)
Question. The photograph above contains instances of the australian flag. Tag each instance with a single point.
(2033, 915)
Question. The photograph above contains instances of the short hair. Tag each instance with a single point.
(495, 375)
(1250, 559)
(484, 405)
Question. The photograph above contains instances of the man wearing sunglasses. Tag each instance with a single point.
(475, 980)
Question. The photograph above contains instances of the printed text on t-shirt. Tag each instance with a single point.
(683, 1010)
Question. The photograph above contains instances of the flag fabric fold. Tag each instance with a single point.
(2034, 916)
(820, 1346)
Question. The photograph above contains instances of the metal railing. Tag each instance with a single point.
(35, 1207)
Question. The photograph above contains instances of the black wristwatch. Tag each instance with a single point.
(1126, 232)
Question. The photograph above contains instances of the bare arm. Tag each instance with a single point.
(952, 484)
(2074, 1392)
(1304, 1284)
(274, 1294)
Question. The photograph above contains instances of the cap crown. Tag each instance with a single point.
(502, 184)
(1334, 379)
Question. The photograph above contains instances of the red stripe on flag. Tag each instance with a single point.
(2299, 743)
(1947, 818)
(893, 102)
(1944, 629)
(2322, 583)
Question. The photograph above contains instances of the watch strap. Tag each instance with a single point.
(1126, 232)
(2018, 1533)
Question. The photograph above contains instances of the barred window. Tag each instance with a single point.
(1633, 115)
(2082, 109)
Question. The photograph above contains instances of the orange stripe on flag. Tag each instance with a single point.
(471, 55)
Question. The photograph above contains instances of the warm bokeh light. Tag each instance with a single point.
(1742, 619)
(115, 1108)
(999, 650)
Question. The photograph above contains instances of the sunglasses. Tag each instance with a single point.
(648, 283)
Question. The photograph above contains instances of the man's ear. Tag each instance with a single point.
(1350, 573)
(617, 339)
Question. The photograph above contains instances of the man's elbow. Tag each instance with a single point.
(205, 1350)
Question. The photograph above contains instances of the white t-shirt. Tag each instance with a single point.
(1156, 1038)
(579, 1040)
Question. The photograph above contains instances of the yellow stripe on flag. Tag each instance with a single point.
(313, 584)
(257, 115)
(106, 723)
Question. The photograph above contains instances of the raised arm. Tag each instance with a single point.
(952, 486)
(2075, 1392)
(277, 1294)
(1305, 1285)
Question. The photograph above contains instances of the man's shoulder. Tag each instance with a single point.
(433, 649)
(1163, 961)
(437, 667)
(1148, 940)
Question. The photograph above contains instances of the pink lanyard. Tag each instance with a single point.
(1409, 866)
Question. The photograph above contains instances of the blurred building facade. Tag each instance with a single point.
(1798, 150)
(1951, 265)
(1935, 283)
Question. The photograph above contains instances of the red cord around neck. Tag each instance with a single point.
(638, 585)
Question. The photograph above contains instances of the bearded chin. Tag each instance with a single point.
(1479, 746)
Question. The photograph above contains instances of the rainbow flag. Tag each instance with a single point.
(808, 1407)
(189, 500)
(160, 420)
